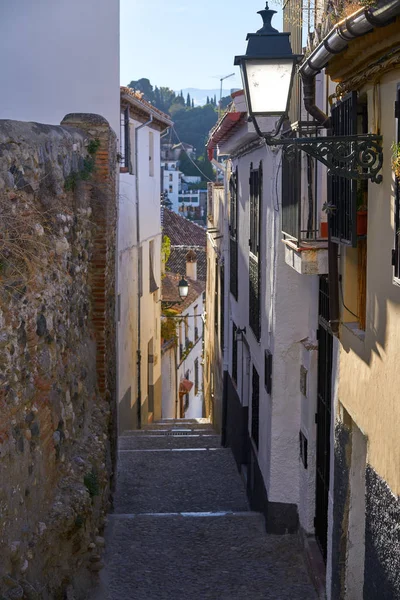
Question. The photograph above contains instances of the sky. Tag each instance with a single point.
(187, 43)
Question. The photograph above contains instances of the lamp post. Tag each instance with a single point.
(268, 69)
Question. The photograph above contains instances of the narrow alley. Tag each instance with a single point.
(182, 528)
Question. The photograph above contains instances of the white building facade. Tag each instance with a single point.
(65, 56)
(139, 263)
(182, 356)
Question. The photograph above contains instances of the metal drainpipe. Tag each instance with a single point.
(139, 353)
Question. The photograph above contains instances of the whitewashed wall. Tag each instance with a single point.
(59, 57)
(128, 272)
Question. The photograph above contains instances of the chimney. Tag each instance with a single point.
(191, 265)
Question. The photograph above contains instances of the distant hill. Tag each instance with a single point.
(193, 118)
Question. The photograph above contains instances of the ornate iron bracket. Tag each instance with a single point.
(351, 156)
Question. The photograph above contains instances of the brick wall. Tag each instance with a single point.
(57, 353)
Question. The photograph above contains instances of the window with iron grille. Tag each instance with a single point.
(342, 192)
(233, 233)
(254, 245)
(268, 371)
(396, 251)
(234, 353)
(255, 407)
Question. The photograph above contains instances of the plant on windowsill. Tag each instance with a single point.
(329, 208)
(396, 159)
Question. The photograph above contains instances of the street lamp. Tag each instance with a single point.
(183, 288)
(268, 69)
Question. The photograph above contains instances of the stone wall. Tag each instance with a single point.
(57, 353)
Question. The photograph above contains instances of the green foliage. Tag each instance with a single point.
(225, 102)
(93, 146)
(91, 482)
(165, 249)
(396, 159)
(88, 167)
(168, 330)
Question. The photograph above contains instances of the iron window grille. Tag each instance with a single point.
(196, 333)
(233, 233)
(254, 246)
(342, 192)
(255, 407)
(234, 353)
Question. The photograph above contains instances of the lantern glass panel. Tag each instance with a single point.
(268, 85)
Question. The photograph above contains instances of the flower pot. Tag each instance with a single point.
(362, 222)
(324, 229)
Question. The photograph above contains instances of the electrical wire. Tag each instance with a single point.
(193, 163)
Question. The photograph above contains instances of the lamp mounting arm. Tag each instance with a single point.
(351, 156)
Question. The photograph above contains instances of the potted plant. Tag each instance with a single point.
(396, 159)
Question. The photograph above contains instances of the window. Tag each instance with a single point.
(196, 376)
(268, 371)
(342, 192)
(170, 189)
(171, 177)
(151, 154)
(254, 244)
(152, 280)
(255, 209)
(127, 141)
(233, 231)
(210, 203)
(187, 340)
(196, 329)
(255, 407)
(234, 353)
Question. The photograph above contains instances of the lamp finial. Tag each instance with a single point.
(266, 16)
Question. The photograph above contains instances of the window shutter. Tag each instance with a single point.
(268, 371)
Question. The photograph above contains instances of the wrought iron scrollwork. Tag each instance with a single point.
(352, 157)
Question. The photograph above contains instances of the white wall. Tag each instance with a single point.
(288, 312)
(195, 409)
(58, 57)
(128, 275)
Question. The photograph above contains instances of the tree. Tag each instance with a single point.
(208, 100)
(143, 85)
(225, 102)
(188, 101)
(192, 103)
(215, 100)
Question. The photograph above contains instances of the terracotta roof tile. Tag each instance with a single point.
(181, 231)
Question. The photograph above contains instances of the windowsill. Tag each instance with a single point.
(355, 330)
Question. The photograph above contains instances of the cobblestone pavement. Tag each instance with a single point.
(182, 529)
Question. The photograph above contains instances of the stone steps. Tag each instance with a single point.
(178, 481)
(202, 558)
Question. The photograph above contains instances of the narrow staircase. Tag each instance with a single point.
(182, 529)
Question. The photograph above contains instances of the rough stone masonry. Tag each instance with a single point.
(57, 353)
